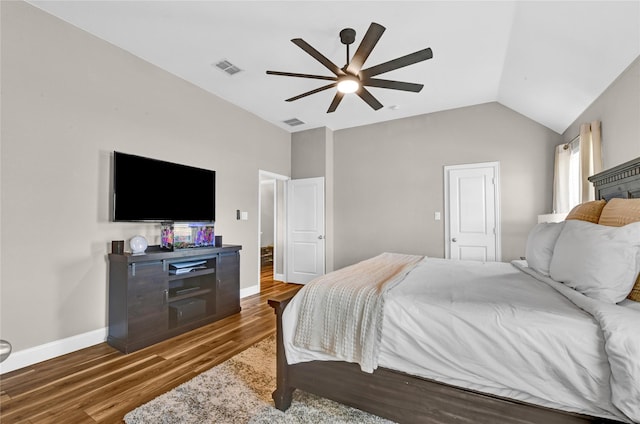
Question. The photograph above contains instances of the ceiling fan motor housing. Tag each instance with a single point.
(348, 36)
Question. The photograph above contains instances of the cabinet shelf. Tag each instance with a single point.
(191, 274)
(193, 293)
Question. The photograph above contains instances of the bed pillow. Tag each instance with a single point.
(599, 261)
(616, 213)
(619, 212)
(542, 238)
(587, 211)
(635, 291)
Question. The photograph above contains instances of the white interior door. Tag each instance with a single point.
(305, 229)
(472, 202)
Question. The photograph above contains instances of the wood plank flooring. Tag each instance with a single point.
(99, 384)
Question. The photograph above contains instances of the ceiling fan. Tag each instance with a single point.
(351, 78)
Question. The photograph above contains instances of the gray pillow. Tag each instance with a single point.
(599, 261)
(540, 243)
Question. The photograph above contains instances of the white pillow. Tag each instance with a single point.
(540, 243)
(599, 261)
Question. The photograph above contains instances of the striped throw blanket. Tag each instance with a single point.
(341, 312)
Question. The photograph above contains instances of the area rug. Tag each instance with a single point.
(239, 391)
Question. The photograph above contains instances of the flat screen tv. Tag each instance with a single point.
(151, 190)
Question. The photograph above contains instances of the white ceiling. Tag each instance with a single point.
(547, 60)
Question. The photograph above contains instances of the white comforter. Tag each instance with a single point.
(494, 328)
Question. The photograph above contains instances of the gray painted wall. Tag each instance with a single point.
(388, 178)
(618, 108)
(69, 100)
(267, 212)
(308, 159)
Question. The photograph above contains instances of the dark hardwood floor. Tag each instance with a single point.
(100, 385)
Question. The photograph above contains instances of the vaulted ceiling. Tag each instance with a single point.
(548, 60)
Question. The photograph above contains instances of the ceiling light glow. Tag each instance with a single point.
(348, 84)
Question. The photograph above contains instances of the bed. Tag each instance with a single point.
(505, 342)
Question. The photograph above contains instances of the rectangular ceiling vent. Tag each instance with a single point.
(228, 67)
(293, 122)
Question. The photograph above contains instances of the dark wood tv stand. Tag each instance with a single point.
(149, 302)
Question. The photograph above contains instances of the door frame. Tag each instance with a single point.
(447, 206)
(262, 175)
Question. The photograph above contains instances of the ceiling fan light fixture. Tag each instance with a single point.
(348, 84)
(351, 78)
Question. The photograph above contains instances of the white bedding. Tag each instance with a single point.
(493, 328)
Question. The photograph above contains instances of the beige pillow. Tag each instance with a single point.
(635, 291)
(619, 212)
(588, 211)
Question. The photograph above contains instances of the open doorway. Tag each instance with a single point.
(272, 226)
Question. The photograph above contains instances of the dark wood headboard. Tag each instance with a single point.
(620, 181)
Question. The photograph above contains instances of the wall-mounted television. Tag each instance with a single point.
(151, 190)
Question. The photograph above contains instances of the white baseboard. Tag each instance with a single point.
(278, 277)
(33, 355)
(249, 291)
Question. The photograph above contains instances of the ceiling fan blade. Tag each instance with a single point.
(394, 85)
(368, 98)
(318, 56)
(290, 74)
(336, 101)
(308, 93)
(367, 44)
(400, 62)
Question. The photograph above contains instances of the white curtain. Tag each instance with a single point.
(590, 158)
(565, 179)
(574, 163)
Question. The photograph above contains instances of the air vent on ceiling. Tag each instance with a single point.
(228, 67)
(293, 122)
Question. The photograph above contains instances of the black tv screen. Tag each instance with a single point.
(151, 190)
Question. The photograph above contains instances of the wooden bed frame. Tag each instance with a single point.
(620, 181)
(409, 399)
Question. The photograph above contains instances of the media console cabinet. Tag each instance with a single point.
(160, 294)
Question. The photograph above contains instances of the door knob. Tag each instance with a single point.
(320, 237)
(454, 239)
